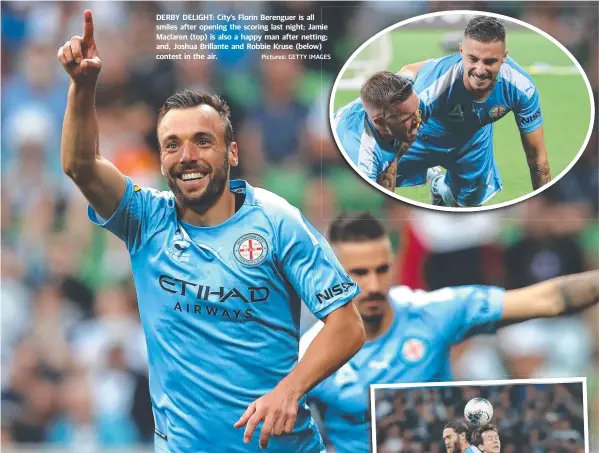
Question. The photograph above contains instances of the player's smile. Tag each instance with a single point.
(482, 62)
(195, 179)
(479, 79)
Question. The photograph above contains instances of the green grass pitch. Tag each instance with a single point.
(564, 101)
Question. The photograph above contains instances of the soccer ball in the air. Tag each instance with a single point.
(478, 411)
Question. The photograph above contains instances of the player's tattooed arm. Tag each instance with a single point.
(555, 297)
(536, 157)
(387, 179)
(578, 291)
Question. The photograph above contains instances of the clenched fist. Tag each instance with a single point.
(79, 56)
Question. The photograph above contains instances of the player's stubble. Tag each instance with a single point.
(457, 448)
(372, 308)
(201, 202)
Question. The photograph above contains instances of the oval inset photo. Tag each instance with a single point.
(462, 111)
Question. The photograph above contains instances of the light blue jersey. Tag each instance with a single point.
(457, 131)
(220, 307)
(361, 141)
(472, 449)
(414, 349)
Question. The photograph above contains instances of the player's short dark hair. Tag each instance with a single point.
(459, 426)
(385, 89)
(485, 29)
(477, 435)
(186, 99)
(356, 227)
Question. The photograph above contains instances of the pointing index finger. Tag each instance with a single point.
(88, 25)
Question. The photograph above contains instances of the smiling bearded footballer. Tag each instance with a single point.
(461, 96)
(220, 269)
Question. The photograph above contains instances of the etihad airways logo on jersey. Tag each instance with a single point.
(247, 294)
(334, 292)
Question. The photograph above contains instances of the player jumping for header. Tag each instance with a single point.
(486, 438)
(219, 268)
(409, 334)
(455, 438)
(461, 96)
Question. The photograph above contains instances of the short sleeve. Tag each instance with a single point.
(368, 162)
(425, 111)
(423, 86)
(462, 311)
(138, 214)
(528, 111)
(357, 145)
(311, 267)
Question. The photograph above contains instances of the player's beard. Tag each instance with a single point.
(400, 133)
(211, 193)
(483, 90)
(375, 318)
(457, 448)
(404, 135)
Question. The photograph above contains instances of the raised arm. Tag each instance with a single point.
(412, 69)
(555, 297)
(536, 157)
(99, 180)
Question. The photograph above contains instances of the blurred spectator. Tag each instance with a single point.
(547, 249)
(275, 129)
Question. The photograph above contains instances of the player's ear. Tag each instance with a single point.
(505, 54)
(233, 152)
(379, 122)
(460, 47)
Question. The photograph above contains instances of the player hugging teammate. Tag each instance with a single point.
(457, 98)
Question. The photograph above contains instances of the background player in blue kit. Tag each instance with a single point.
(456, 438)
(409, 333)
(461, 96)
(375, 129)
(220, 268)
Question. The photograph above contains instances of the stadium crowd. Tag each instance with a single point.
(530, 418)
(73, 354)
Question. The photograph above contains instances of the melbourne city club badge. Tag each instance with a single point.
(413, 350)
(498, 111)
(250, 249)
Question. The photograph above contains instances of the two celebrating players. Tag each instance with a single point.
(457, 98)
